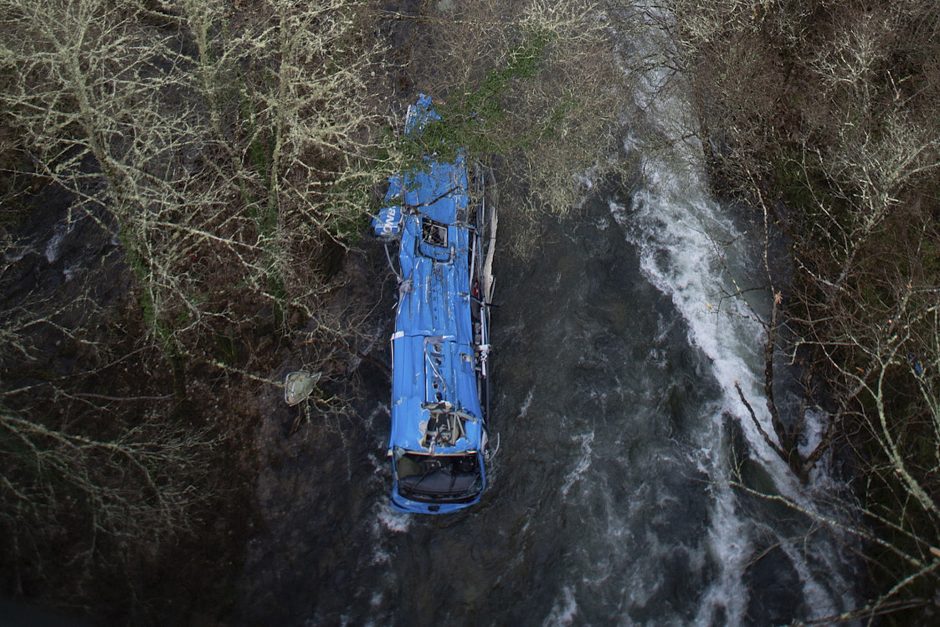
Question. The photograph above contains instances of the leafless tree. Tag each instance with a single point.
(231, 155)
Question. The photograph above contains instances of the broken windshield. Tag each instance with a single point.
(431, 478)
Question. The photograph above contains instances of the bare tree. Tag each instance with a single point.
(231, 159)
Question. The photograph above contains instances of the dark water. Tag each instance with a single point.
(606, 504)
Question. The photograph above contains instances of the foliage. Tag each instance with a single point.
(471, 123)
(540, 92)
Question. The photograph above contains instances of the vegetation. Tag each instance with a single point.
(823, 116)
(532, 94)
(219, 161)
(217, 164)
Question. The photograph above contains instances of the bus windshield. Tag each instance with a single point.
(436, 478)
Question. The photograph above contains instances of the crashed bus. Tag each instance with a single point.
(445, 231)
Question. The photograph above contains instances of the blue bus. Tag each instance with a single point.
(440, 345)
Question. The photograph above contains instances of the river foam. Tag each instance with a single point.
(691, 250)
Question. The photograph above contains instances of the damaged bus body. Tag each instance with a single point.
(441, 338)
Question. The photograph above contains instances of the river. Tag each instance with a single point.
(620, 438)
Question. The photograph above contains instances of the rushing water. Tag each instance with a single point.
(612, 497)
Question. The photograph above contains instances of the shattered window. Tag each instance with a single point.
(434, 233)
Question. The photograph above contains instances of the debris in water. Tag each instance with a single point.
(298, 386)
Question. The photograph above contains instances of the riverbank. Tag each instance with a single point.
(821, 118)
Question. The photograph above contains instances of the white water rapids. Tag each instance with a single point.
(691, 250)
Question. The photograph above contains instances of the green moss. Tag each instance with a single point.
(228, 350)
(260, 148)
(161, 328)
